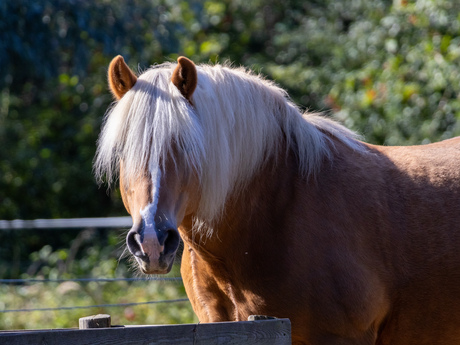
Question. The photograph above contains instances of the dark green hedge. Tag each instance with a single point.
(388, 69)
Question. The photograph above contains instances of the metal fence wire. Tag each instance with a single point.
(86, 280)
(72, 223)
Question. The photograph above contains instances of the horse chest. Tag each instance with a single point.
(215, 296)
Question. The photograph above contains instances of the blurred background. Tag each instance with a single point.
(389, 70)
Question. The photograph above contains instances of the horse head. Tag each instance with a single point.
(160, 196)
(186, 139)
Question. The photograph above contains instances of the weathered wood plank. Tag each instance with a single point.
(266, 332)
(95, 321)
(260, 317)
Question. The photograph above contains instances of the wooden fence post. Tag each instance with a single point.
(260, 317)
(95, 321)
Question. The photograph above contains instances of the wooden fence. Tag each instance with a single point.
(257, 332)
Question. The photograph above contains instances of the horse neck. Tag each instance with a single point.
(251, 220)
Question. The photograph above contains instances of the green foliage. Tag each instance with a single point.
(387, 69)
(90, 254)
(54, 95)
(56, 295)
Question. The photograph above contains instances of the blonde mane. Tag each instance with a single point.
(237, 121)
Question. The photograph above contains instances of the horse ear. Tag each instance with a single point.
(185, 77)
(121, 78)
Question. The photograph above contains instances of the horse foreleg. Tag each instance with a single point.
(209, 302)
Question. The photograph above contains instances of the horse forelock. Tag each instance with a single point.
(141, 127)
(238, 120)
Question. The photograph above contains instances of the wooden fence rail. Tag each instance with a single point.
(266, 332)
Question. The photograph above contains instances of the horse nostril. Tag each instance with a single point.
(133, 243)
(171, 241)
(168, 238)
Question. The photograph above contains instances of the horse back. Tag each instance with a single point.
(422, 188)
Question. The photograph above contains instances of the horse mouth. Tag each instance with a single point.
(161, 266)
(154, 271)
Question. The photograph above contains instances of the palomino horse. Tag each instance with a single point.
(284, 214)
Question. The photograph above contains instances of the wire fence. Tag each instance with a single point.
(73, 223)
(94, 306)
(85, 280)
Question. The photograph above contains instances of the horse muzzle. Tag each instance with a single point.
(153, 246)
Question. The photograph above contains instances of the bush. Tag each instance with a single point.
(92, 254)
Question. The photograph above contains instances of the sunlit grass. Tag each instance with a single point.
(90, 259)
(71, 294)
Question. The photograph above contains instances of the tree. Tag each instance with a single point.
(54, 95)
(388, 69)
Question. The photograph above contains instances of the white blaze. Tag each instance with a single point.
(150, 242)
(148, 213)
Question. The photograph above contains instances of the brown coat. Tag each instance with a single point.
(367, 253)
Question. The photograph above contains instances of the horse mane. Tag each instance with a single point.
(238, 120)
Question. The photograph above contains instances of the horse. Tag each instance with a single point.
(283, 213)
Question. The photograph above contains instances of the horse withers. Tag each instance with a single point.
(283, 213)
